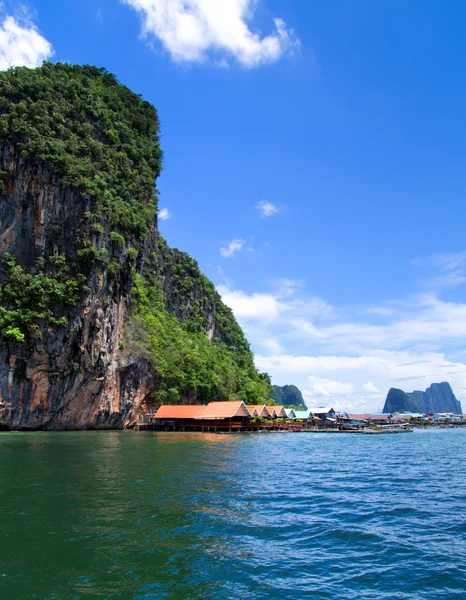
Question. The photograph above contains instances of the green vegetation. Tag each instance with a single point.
(97, 135)
(288, 395)
(28, 300)
(117, 238)
(93, 136)
(399, 401)
(186, 360)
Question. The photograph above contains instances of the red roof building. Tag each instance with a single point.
(263, 411)
(178, 411)
(224, 410)
(280, 412)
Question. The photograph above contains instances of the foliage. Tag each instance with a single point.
(116, 238)
(288, 395)
(131, 254)
(399, 401)
(97, 138)
(186, 286)
(97, 135)
(29, 299)
(186, 360)
(91, 254)
(13, 334)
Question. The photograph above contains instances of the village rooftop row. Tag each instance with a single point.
(236, 415)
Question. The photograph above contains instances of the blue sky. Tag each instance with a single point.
(314, 166)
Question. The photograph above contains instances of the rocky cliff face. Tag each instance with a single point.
(71, 377)
(399, 401)
(78, 158)
(438, 397)
(289, 395)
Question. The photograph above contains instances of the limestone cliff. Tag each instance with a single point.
(288, 395)
(99, 319)
(438, 397)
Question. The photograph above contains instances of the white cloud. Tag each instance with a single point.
(408, 369)
(450, 270)
(371, 388)
(408, 343)
(199, 30)
(21, 44)
(165, 214)
(256, 306)
(267, 209)
(232, 248)
(271, 345)
(425, 320)
(286, 287)
(326, 388)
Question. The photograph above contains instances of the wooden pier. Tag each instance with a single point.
(213, 427)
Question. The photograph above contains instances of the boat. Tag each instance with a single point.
(380, 430)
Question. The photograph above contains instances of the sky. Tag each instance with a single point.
(314, 165)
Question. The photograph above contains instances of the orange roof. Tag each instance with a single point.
(224, 410)
(272, 410)
(252, 408)
(280, 411)
(178, 411)
(263, 411)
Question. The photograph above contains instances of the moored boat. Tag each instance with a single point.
(381, 430)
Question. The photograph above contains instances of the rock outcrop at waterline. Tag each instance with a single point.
(438, 397)
(99, 319)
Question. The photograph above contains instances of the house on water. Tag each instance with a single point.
(252, 408)
(290, 414)
(181, 415)
(263, 411)
(225, 413)
(325, 414)
(303, 416)
(277, 412)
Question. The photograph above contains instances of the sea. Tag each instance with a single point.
(147, 515)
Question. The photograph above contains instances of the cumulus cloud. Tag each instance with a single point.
(22, 45)
(409, 343)
(232, 248)
(410, 369)
(267, 209)
(371, 388)
(255, 306)
(417, 342)
(326, 388)
(164, 214)
(271, 345)
(199, 30)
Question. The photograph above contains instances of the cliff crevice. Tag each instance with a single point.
(100, 320)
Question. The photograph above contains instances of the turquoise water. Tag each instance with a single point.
(191, 516)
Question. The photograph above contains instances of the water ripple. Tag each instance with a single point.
(154, 516)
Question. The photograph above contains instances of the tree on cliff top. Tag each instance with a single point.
(93, 136)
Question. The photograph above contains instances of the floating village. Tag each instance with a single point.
(236, 417)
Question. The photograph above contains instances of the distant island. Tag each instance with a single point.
(437, 398)
(288, 395)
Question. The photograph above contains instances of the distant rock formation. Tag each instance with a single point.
(439, 397)
(288, 395)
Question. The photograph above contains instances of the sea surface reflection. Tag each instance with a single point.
(204, 516)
